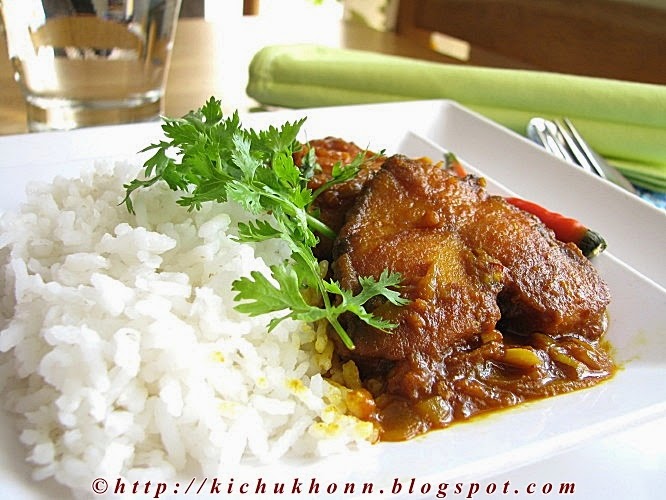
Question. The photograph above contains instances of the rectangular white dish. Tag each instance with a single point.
(633, 268)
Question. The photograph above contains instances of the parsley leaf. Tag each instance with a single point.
(210, 157)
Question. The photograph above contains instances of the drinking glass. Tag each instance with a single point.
(90, 62)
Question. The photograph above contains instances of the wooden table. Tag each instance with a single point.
(213, 58)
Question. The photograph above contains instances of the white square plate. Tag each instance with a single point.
(633, 267)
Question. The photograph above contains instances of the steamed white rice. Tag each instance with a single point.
(121, 354)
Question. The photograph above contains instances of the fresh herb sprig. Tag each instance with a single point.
(210, 157)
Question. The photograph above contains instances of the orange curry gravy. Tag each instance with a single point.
(492, 374)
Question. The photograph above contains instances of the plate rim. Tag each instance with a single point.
(656, 411)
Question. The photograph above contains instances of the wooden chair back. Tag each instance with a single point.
(604, 38)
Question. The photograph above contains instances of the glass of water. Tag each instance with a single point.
(90, 62)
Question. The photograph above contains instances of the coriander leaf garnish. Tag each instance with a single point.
(370, 288)
(263, 296)
(215, 159)
(340, 173)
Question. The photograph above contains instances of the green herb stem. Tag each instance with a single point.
(319, 227)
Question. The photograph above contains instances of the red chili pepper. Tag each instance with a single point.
(566, 229)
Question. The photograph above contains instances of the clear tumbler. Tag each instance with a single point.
(90, 62)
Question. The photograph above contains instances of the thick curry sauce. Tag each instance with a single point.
(500, 312)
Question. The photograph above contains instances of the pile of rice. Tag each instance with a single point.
(121, 354)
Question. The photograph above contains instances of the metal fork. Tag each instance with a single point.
(562, 139)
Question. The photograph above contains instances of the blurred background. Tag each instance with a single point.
(216, 40)
(623, 39)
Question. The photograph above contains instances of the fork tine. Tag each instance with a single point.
(573, 141)
(604, 169)
(562, 139)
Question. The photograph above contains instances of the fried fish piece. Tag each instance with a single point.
(549, 287)
(470, 262)
(405, 220)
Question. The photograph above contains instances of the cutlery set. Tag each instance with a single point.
(560, 138)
